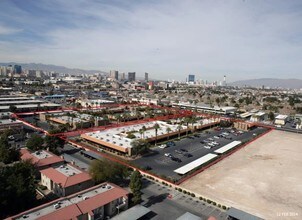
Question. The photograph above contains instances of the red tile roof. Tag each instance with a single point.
(65, 180)
(101, 199)
(66, 213)
(53, 159)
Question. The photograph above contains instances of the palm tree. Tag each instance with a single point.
(169, 130)
(187, 121)
(144, 130)
(193, 120)
(141, 133)
(179, 127)
(156, 127)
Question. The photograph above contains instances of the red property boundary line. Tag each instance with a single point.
(107, 156)
(221, 158)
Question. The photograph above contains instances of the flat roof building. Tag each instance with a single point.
(41, 159)
(98, 202)
(65, 179)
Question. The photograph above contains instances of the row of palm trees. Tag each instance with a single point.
(186, 121)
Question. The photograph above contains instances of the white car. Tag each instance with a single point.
(162, 146)
(207, 147)
(168, 155)
(216, 137)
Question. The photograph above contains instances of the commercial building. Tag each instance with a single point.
(281, 120)
(131, 76)
(191, 78)
(65, 180)
(17, 69)
(244, 126)
(99, 202)
(120, 139)
(41, 159)
(24, 103)
(146, 77)
(206, 108)
(113, 74)
(10, 124)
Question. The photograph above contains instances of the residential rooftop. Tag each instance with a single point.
(77, 204)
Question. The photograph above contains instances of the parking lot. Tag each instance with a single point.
(188, 150)
(155, 197)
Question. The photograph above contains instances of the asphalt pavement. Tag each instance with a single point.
(163, 165)
(167, 203)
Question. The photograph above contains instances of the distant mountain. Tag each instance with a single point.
(270, 82)
(48, 67)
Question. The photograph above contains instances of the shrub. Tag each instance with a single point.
(214, 203)
(224, 207)
(209, 201)
(200, 198)
(219, 206)
(192, 194)
(185, 192)
(180, 190)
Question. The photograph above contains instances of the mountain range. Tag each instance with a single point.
(48, 67)
(270, 82)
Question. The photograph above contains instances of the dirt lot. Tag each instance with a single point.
(264, 178)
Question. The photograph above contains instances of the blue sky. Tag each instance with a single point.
(170, 39)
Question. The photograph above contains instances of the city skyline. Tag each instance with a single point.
(168, 39)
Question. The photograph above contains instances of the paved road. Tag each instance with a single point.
(163, 165)
(155, 198)
(71, 153)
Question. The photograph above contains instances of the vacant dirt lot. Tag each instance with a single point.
(264, 178)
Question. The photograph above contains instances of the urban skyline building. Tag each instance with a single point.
(191, 78)
(113, 74)
(131, 76)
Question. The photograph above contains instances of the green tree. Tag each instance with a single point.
(8, 154)
(53, 143)
(17, 188)
(271, 116)
(136, 186)
(106, 170)
(12, 108)
(139, 146)
(35, 142)
(168, 131)
(156, 127)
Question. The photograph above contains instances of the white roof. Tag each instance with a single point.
(196, 163)
(227, 147)
(281, 117)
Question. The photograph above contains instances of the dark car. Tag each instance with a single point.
(188, 155)
(170, 143)
(176, 159)
(183, 150)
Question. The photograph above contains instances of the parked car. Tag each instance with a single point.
(207, 147)
(168, 154)
(183, 150)
(170, 143)
(188, 155)
(178, 151)
(176, 159)
(162, 146)
(216, 137)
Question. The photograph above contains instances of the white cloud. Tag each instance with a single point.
(171, 39)
(4, 30)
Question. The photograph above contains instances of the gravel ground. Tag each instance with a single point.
(264, 178)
